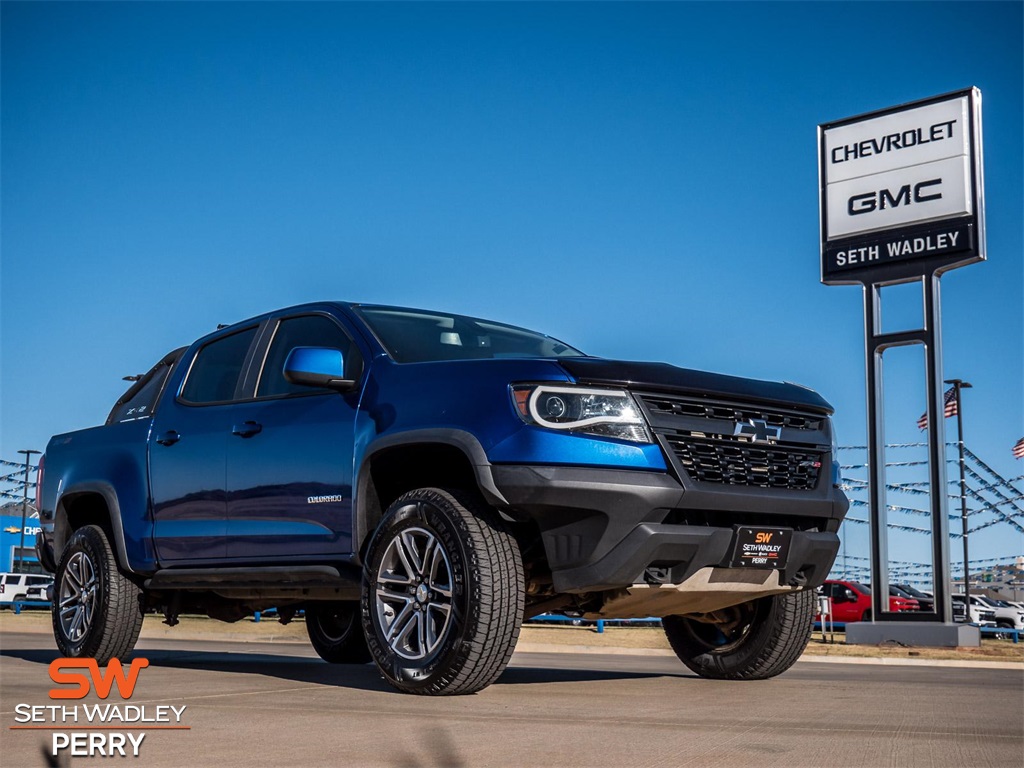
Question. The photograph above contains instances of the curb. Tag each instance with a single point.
(883, 660)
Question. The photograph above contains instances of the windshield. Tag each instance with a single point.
(912, 590)
(418, 336)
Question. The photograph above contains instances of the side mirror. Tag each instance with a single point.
(850, 596)
(317, 367)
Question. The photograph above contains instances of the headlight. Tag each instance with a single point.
(604, 412)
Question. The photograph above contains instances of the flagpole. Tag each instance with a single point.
(959, 384)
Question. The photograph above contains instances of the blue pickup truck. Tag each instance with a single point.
(420, 482)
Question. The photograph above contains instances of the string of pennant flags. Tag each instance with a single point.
(921, 489)
(990, 495)
(19, 464)
(1017, 449)
(1008, 559)
(17, 479)
(909, 570)
(853, 484)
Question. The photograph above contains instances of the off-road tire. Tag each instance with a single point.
(774, 633)
(336, 631)
(484, 579)
(116, 608)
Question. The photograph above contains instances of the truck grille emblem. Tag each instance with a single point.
(756, 431)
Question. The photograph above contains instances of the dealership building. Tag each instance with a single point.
(11, 538)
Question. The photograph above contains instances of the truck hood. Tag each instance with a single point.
(662, 377)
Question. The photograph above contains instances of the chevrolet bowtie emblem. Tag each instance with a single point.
(757, 431)
(12, 529)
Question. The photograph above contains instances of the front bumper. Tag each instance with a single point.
(604, 529)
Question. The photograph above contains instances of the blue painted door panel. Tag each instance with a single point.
(290, 483)
(187, 481)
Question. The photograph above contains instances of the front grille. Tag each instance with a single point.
(735, 462)
(776, 417)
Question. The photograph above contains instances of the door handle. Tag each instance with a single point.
(247, 429)
(169, 438)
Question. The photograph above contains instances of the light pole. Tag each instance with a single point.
(959, 384)
(24, 512)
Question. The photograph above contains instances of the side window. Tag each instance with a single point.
(141, 404)
(304, 331)
(216, 369)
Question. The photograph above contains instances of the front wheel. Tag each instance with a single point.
(444, 593)
(336, 632)
(753, 641)
(97, 611)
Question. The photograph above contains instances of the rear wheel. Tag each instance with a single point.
(444, 593)
(97, 611)
(336, 632)
(753, 641)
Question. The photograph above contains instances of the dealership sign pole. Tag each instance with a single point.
(902, 200)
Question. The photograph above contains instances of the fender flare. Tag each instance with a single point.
(61, 526)
(464, 441)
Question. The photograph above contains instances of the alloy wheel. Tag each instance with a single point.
(414, 594)
(78, 595)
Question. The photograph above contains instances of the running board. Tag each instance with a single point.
(276, 577)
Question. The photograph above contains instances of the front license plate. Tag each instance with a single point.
(761, 547)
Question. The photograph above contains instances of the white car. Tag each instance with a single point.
(981, 614)
(1007, 616)
(18, 587)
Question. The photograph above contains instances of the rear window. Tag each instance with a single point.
(139, 402)
(217, 368)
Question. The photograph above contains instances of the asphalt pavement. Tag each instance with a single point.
(272, 704)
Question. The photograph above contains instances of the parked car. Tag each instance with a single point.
(19, 587)
(895, 591)
(1007, 616)
(419, 482)
(39, 593)
(851, 601)
(981, 614)
(924, 599)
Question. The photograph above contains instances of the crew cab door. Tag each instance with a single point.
(187, 450)
(289, 454)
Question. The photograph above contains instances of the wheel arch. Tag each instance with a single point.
(90, 503)
(419, 458)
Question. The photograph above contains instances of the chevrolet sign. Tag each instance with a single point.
(901, 190)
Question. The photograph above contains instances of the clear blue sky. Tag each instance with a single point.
(639, 180)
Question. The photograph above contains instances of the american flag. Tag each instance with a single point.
(948, 408)
(1018, 449)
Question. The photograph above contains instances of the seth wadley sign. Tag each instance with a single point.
(900, 186)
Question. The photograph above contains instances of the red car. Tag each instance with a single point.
(851, 601)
